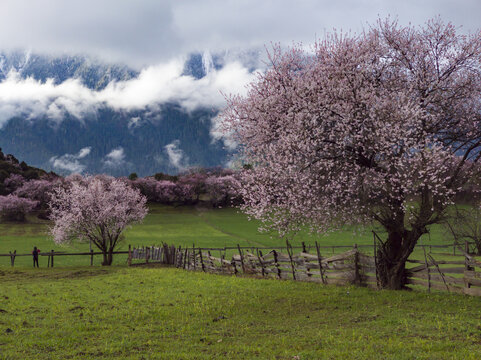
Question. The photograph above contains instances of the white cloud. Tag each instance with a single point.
(33, 98)
(115, 158)
(218, 134)
(134, 122)
(155, 85)
(70, 162)
(176, 155)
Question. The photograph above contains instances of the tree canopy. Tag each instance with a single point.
(96, 209)
(384, 126)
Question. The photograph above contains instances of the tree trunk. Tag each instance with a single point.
(392, 256)
(107, 258)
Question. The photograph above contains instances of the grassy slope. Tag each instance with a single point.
(141, 313)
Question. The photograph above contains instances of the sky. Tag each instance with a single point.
(148, 32)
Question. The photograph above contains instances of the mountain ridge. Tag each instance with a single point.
(165, 138)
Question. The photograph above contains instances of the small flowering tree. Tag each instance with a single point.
(96, 209)
(221, 189)
(382, 126)
(14, 208)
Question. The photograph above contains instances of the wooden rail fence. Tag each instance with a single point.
(350, 267)
(458, 271)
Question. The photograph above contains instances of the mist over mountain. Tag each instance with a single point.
(76, 114)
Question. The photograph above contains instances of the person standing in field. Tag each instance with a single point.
(35, 253)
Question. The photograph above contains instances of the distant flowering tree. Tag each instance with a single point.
(191, 186)
(13, 182)
(147, 186)
(165, 191)
(380, 126)
(221, 189)
(14, 208)
(39, 190)
(96, 209)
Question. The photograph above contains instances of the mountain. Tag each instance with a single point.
(9, 165)
(108, 138)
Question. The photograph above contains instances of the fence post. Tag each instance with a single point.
(179, 254)
(12, 257)
(232, 262)
(304, 247)
(201, 260)
(319, 260)
(277, 264)
(193, 256)
(51, 262)
(375, 259)
(427, 269)
(92, 257)
(357, 276)
(289, 252)
(259, 256)
(129, 259)
(467, 267)
(241, 259)
(222, 258)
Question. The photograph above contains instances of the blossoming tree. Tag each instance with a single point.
(96, 209)
(381, 126)
(14, 208)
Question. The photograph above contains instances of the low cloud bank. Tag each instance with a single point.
(153, 87)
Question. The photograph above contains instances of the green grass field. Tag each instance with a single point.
(162, 313)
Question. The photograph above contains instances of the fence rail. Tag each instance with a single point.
(52, 254)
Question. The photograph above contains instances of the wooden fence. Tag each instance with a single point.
(350, 267)
(460, 273)
(52, 254)
(453, 275)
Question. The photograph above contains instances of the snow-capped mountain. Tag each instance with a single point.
(76, 114)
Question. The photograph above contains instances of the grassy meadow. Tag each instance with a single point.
(166, 313)
(74, 311)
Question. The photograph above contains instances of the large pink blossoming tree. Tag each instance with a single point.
(381, 126)
(96, 209)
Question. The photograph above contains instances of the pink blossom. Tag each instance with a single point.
(96, 209)
(15, 208)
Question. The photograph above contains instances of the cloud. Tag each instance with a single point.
(115, 158)
(145, 32)
(154, 86)
(218, 134)
(70, 162)
(35, 99)
(176, 155)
